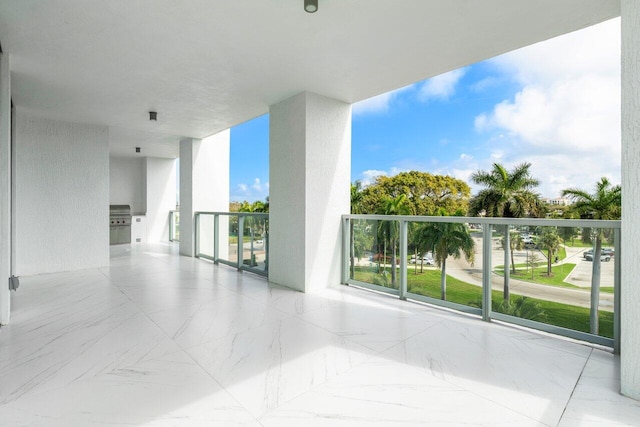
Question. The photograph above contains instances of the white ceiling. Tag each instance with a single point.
(207, 65)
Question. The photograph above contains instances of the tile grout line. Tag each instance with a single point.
(183, 350)
(575, 387)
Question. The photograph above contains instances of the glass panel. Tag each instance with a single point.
(551, 275)
(452, 251)
(255, 242)
(374, 249)
(175, 226)
(205, 235)
(228, 238)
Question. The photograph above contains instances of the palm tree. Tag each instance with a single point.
(390, 229)
(507, 194)
(515, 244)
(356, 208)
(605, 203)
(447, 239)
(551, 241)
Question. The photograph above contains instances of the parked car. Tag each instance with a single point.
(425, 259)
(588, 256)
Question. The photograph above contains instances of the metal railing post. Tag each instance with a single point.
(240, 246)
(404, 226)
(196, 239)
(171, 226)
(216, 234)
(346, 249)
(486, 271)
(617, 276)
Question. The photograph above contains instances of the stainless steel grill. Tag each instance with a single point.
(119, 224)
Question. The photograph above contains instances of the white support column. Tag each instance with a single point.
(309, 176)
(630, 292)
(204, 182)
(160, 196)
(5, 188)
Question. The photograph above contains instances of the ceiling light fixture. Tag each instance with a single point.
(153, 115)
(310, 6)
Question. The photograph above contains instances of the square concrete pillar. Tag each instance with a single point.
(160, 194)
(630, 292)
(5, 188)
(204, 182)
(309, 177)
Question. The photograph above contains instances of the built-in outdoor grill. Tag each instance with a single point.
(119, 224)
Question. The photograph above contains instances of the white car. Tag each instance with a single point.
(425, 259)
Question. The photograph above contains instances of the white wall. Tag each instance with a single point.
(127, 183)
(160, 194)
(204, 185)
(309, 178)
(630, 292)
(5, 187)
(62, 194)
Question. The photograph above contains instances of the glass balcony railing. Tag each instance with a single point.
(238, 239)
(174, 226)
(559, 276)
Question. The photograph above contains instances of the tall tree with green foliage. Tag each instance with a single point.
(515, 244)
(507, 194)
(424, 193)
(390, 230)
(356, 208)
(567, 233)
(551, 242)
(605, 203)
(447, 239)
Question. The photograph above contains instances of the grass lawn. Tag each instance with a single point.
(245, 239)
(428, 284)
(577, 243)
(558, 274)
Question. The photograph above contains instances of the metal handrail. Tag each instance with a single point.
(487, 224)
(542, 222)
(217, 236)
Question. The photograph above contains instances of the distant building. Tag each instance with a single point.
(558, 201)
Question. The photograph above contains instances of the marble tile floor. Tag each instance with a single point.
(156, 339)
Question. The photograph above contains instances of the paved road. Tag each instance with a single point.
(461, 270)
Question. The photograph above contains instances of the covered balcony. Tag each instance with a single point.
(274, 320)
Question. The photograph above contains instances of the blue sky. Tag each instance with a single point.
(555, 104)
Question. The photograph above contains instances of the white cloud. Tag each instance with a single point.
(256, 191)
(565, 120)
(369, 176)
(497, 155)
(439, 87)
(485, 84)
(464, 156)
(378, 104)
(442, 86)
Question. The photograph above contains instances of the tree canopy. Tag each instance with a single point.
(507, 194)
(604, 203)
(424, 193)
